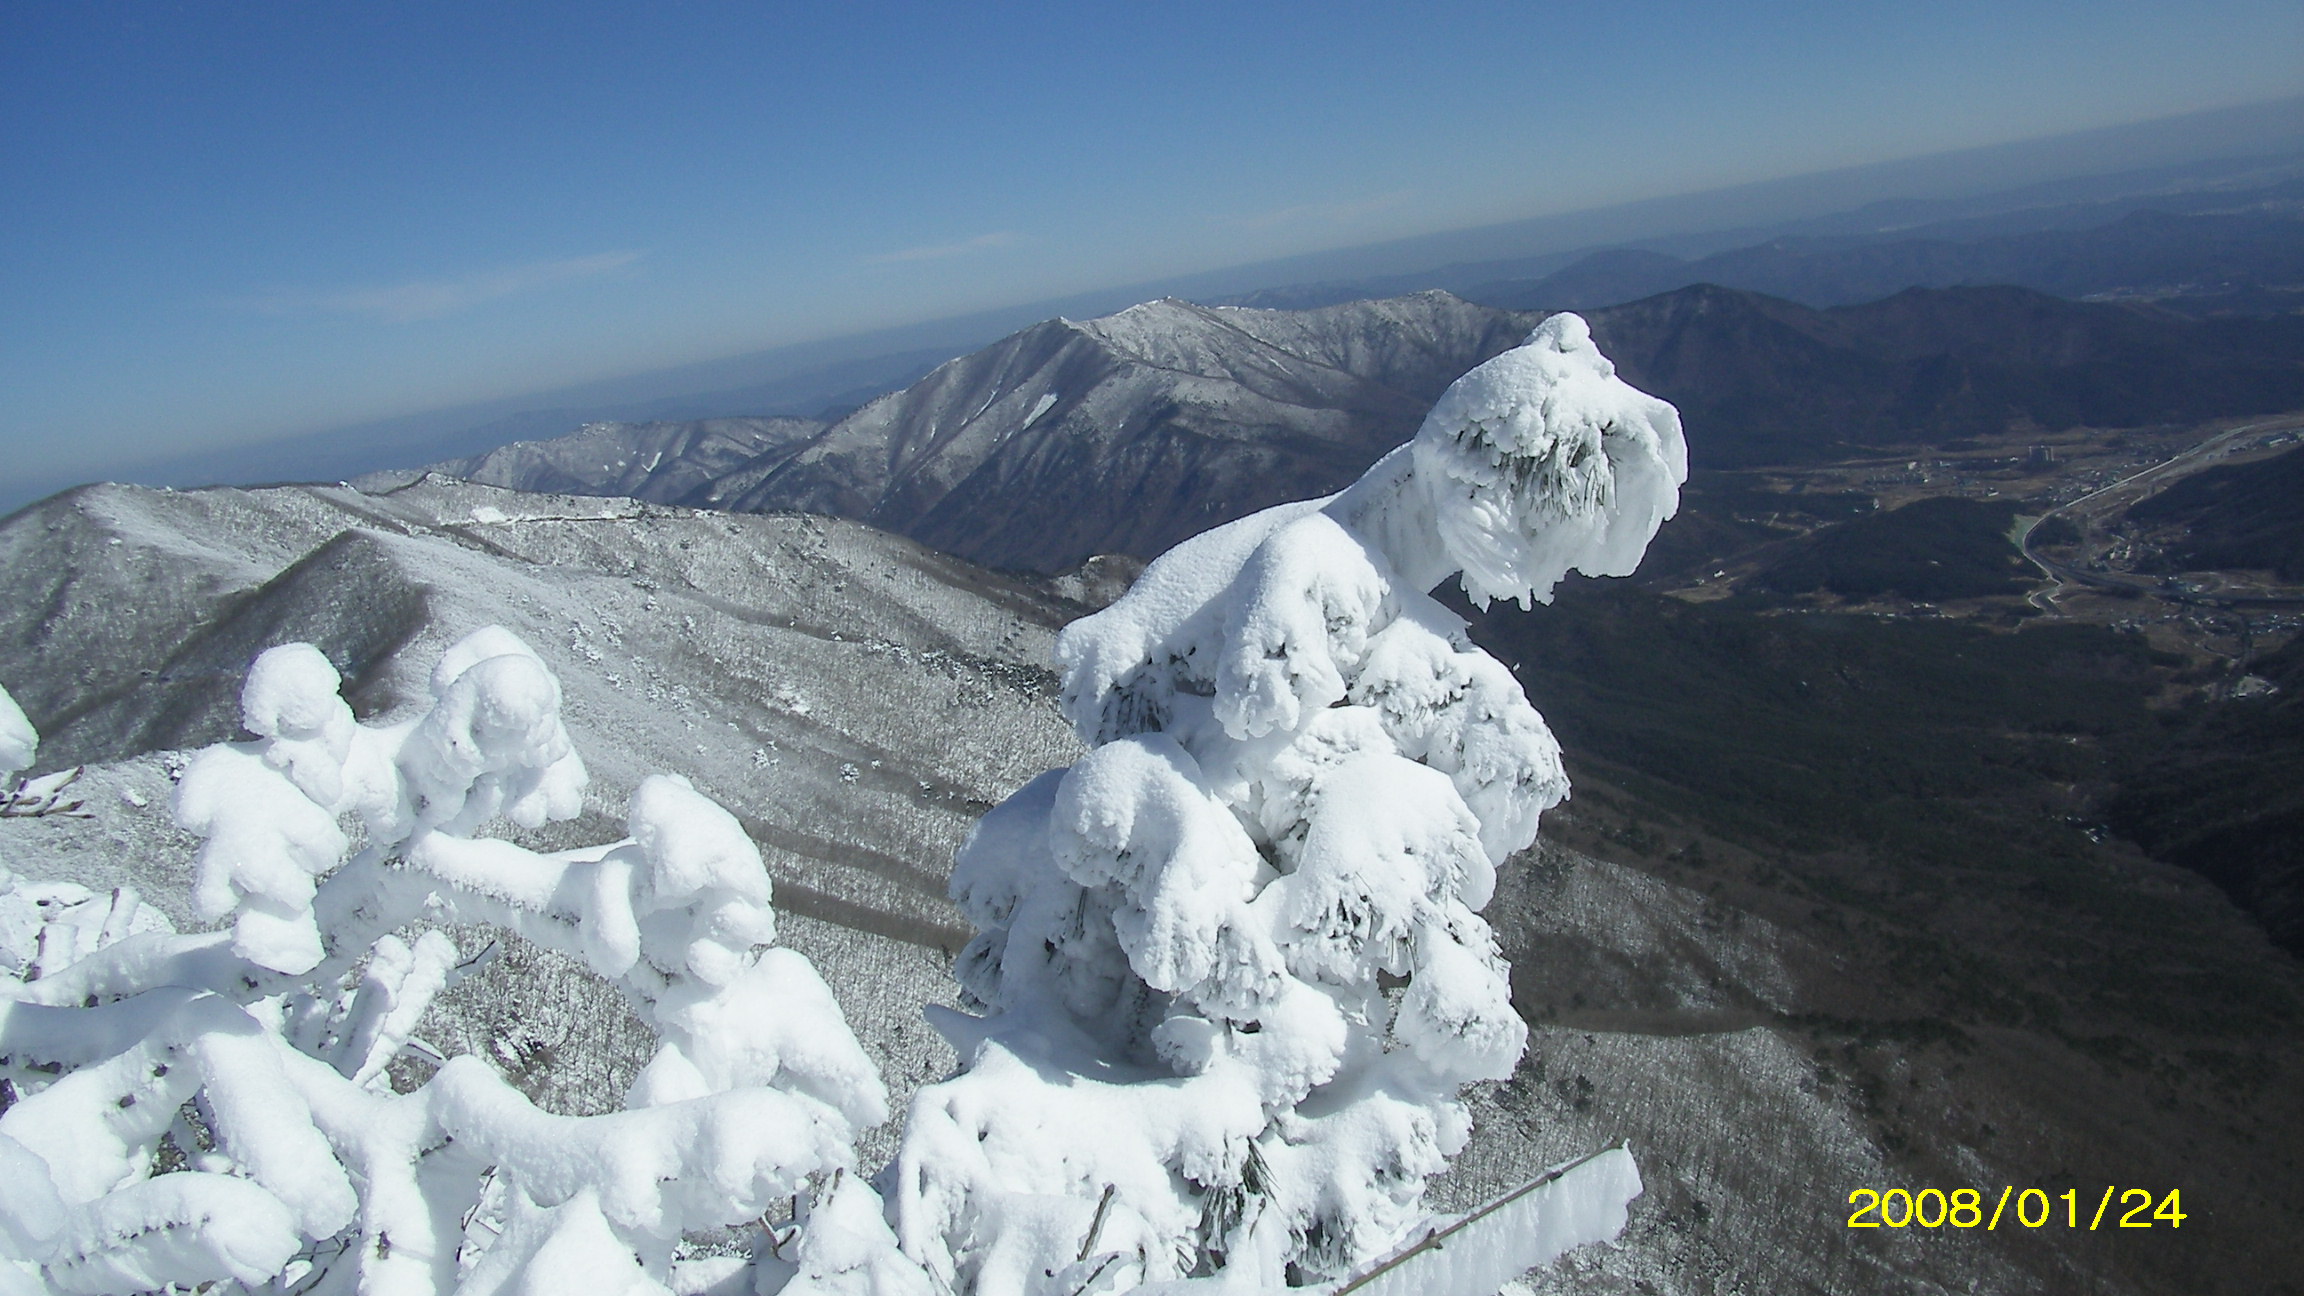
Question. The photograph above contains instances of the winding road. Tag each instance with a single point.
(2146, 481)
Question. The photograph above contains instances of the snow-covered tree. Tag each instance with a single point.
(224, 1107)
(1232, 965)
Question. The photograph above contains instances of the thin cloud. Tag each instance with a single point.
(939, 251)
(1335, 213)
(433, 298)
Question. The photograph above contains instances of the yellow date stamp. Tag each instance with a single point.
(1963, 1208)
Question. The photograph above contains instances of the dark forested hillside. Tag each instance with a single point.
(2241, 515)
(2220, 789)
(1941, 548)
(1771, 381)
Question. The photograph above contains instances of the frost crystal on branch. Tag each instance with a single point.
(1232, 965)
(217, 1107)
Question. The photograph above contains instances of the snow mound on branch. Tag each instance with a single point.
(847, 1249)
(492, 744)
(190, 1227)
(1543, 460)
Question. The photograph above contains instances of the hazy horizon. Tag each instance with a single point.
(236, 227)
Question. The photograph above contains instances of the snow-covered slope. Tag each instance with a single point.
(1129, 433)
(856, 700)
(662, 462)
(856, 697)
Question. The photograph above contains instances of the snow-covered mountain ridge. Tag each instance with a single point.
(1123, 434)
(661, 462)
(1128, 433)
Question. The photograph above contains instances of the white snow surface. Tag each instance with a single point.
(18, 742)
(1231, 962)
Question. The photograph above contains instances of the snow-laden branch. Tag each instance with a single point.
(1231, 962)
(222, 1107)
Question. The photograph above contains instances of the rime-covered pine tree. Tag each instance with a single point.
(1232, 964)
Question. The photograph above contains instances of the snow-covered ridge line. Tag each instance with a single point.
(1066, 440)
(664, 463)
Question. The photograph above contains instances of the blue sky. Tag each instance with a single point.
(222, 222)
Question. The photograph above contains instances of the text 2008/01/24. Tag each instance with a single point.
(2033, 1208)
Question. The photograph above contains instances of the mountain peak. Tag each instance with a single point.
(1133, 427)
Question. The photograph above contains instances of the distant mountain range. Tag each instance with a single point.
(2223, 263)
(1123, 434)
(1128, 433)
(662, 462)
(2193, 238)
(2242, 160)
